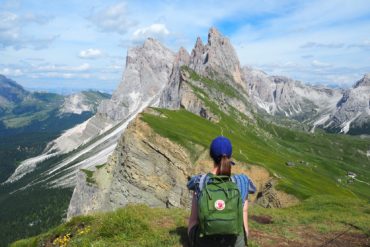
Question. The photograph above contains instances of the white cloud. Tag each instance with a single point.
(112, 19)
(61, 75)
(12, 31)
(322, 45)
(53, 68)
(320, 64)
(90, 53)
(11, 72)
(155, 31)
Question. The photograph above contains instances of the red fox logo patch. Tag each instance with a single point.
(220, 205)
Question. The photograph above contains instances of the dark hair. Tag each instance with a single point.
(224, 164)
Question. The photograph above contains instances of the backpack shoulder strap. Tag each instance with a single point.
(202, 181)
(233, 178)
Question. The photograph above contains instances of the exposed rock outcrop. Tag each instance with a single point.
(216, 57)
(353, 109)
(144, 168)
(148, 69)
(171, 95)
(216, 60)
(83, 101)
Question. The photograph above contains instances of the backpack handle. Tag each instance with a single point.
(221, 179)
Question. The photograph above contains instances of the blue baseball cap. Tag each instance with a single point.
(220, 146)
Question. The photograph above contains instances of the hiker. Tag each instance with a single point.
(219, 211)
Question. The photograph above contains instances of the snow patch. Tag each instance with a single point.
(321, 121)
(75, 103)
(265, 106)
(136, 98)
(28, 166)
(103, 154)
(346, 125)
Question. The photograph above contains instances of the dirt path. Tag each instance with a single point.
(311, 238)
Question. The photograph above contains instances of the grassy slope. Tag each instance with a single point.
(45, 206)
(139, 225)
(276, 146)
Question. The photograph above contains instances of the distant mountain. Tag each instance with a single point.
(10, 93)
(29, 120)
(336, 110)
(352, 112)
(85, 101)
(19, 107)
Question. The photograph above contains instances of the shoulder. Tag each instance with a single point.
(193, 181)
(243, 181)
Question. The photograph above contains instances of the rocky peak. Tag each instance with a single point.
(213, 35)
(11, 91)
(148, 69)
(364, 82)
(218, 55)
(182, 57)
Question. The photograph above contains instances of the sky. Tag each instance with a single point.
(75, 44)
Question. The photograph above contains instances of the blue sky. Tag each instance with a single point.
(75, 44)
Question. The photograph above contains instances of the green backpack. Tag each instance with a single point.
(220, 210)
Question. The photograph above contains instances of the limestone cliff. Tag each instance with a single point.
(217, 57)
(144, 168)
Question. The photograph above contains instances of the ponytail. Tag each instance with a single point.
(225, 166)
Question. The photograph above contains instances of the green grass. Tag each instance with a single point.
(136, 225)
(323, 214)
(272, 146)
(139, 225)
(215, 85)
(89, 176)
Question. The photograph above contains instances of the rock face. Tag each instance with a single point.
(144, 168)
(217, 56)
(353, 109)
(82, 101)
(172, 93)
(217, 60)
(336, 109)
(279, 95)
(148, 69)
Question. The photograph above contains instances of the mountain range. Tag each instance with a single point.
(143, 143)
(29, 120)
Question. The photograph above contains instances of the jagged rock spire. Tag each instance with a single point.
(218, 55)
(148, 69)
(182, 57)
(364, 82)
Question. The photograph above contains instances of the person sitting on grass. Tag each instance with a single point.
(219, 210)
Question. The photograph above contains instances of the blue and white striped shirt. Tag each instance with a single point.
(244, 183)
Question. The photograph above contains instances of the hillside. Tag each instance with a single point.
(29, 120)
(318, 221)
